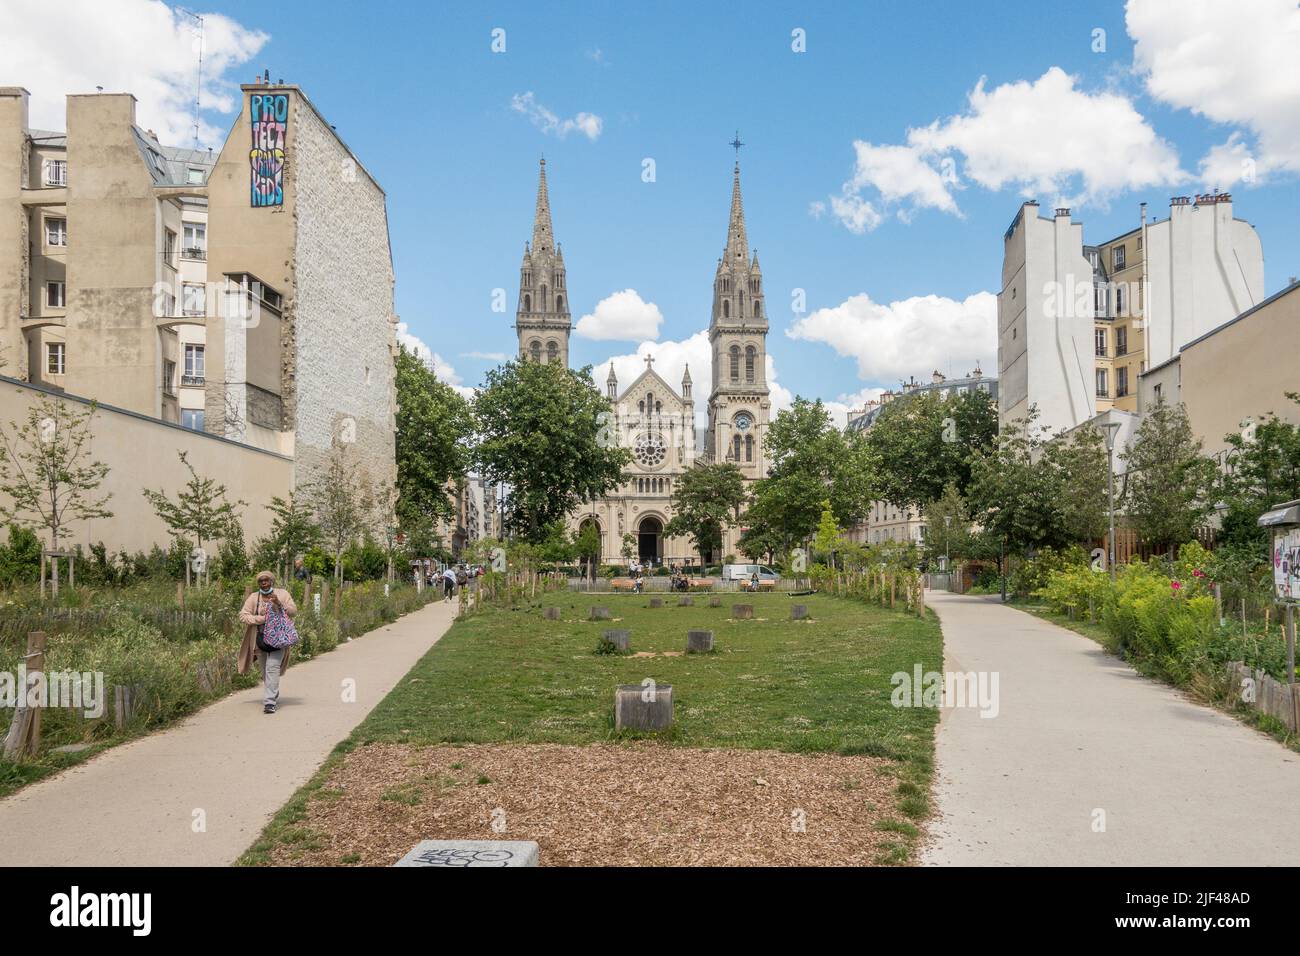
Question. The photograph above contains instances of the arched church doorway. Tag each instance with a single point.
(650, 540)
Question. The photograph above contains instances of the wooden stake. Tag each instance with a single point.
(24, 737)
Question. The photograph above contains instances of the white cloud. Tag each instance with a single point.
(623, 317)
(487, 356)
(911, 337)
(1045, 137)
(588, 124)
(142, 47)
(1235, 63)
(442, 369)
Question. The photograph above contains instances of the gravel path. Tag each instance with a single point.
(1078, 731)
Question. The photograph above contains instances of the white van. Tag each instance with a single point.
(743, 572)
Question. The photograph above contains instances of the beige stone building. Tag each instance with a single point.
(245, 293)
(654, 418)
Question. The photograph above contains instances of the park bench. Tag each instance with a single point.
(701, 584)
(622, 584)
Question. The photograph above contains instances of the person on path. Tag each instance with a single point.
(265, 600)
(448, 583)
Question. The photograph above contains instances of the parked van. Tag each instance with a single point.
(743, 572)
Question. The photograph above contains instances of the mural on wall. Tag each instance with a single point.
(270, 114)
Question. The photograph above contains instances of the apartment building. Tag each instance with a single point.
(245, 292)
(1140, 295)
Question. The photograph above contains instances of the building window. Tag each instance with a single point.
(56, 232)
(56, 295)
(1121, 382)
(552, 351)
(1117, 258)
(749, 448)
(726, 309)
(194, 298)
(559, 303)
(735, 448)
(1121, 341)
(194, 365)
(56, 172)
(56, 354)
(169, 247)
(1099, 301)
(749, 363)
(735, 363)
(1157, 392)
(169, 377)
(192, 418)
(194, 176)
(1103, 389)
(1099, 341)
(1119, 300)
(536, 349)
(528, 303)
(195, 245)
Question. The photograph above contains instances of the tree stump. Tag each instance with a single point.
(799, 612)
(742, 612)
(715, 601)
(551, 613)
(686, 601)
(619, 638)
(599, 614)
(638, 707)
(656, 602)
(699, 642)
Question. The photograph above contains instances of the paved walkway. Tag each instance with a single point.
(1079, 731)
(136, 804)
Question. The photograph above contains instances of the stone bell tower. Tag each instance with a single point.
(542, 316)
(739, 403)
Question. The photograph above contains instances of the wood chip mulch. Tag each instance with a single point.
(643, 804)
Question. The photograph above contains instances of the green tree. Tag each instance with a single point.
(293, 531)
(587, 547)
(47, 472)
(1264, 470)
(705, 499)
(1013, 496)
(948, 526)
(340, 499)
(828, 534)
(434, 427)
(542, 430)
(1169, 484)
(201, 511)
(1079, 463)
(923, 442)
(810, 460)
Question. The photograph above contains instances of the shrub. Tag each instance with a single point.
(20, 559)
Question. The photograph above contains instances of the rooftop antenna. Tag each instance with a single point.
(198, 80)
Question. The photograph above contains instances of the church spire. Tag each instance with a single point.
(737, 242)
(543, 237)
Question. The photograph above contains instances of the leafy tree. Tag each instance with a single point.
(540, 432)
(1169, 483)
(629, 546)
(761, 542)
(811, 460)
(434, 425)
(704, 500)
(1264, 470)
(201, 511)
(293, 531)
(556, 545)
(948, 526)
(587, 547)
(20, 559)
(47, 472)
(1012, 495)
(341, 501)
(922, 443)
(1079, 462)
(828, 533)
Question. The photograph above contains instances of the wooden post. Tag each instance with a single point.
(1290, 644)
(24, 737)
(72, 572)
(43, 574)
(180, 594)
(1218, 602)
(54, 567)
(1243, 617)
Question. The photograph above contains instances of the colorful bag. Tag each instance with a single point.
(277, 630)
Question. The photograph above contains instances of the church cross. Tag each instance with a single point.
(649, 360)
(736, 144)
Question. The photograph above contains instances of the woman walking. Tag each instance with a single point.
(267, 616)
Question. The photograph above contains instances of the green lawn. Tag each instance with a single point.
(511, 676)
(772, 683)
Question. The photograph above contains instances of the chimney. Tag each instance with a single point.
(1062, 212)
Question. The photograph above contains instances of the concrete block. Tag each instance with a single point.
(798, 612)
(656, 602)
(460, 854)
(619, 638)
(742, 612)
(643, 708)
(551, 613)
(715, 601)
(699, 642)
(686, 601)
(599, 614)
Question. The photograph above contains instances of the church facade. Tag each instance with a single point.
(656, 419)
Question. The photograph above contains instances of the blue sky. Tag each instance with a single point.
(449, 129)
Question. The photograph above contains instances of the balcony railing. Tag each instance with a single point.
(194, 252)
(193, 381)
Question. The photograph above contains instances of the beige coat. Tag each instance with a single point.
(252, 614)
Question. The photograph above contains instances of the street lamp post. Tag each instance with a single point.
(947, 523)
(1111, 429)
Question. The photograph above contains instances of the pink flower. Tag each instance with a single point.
(1175, 585)
(1198, 572)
